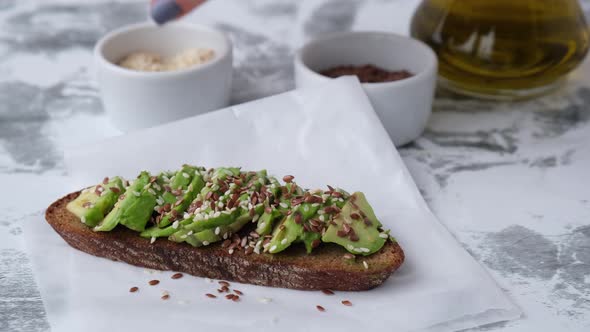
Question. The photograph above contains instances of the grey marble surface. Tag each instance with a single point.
(509, 180)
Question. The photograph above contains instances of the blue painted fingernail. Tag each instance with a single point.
(164, 11)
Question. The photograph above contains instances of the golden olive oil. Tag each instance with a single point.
(503, 48)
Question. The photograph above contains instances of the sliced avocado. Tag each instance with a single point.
(210, 235)
(266, 222)
(93, 203)
(358, 215)
(134, 210)
(156, 231)
(192, 189)
(286, 232)
(309, 240)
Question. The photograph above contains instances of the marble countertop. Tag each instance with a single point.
(509, 180)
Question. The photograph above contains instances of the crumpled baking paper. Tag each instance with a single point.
(326, 136)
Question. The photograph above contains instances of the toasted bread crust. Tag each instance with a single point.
(325, 268)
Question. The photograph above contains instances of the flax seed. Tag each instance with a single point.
(288, 178)
(320, 308)
(235, 298)
(133, 289)
(210, 296)
(238, 292)
(315, 243)
(224, 283)
(355, 216)
(165, 297)
(177, 276)
(154, 282)
(347, 303)
(105, 180)
(298, 218)
(327, 292)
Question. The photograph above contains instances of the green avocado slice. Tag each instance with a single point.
(210, 235)
(94, 203)
(134, 210)
(358, 215)
(192, 188)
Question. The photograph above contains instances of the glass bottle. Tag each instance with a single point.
(503, 49)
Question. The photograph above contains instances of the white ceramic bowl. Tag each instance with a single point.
(136, 99)
(403, 106)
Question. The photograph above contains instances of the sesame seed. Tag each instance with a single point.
(137, 194)
(365, 249)
(366, 265)
(383, 235)
(185, 175)
(133, 289)
(152, 239)
(151, 191)
(284, 205)
(175, 224)
(283, 242)
(315, 204)
(205, 243)
(256, 216)
(273, 248)
(83, 219)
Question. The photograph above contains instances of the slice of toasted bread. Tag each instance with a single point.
(325, 268)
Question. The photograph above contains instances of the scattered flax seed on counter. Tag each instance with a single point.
(347, 303)
(165, 295)
(145, 61)
(154, 282)
(320, 308)
(327, 292)
(210, 296)
(133, 289)
(177, 276)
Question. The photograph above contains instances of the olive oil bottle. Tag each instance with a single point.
(503, 49)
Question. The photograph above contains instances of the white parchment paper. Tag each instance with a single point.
(327, 136)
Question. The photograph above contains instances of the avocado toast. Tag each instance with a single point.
(225, 223)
